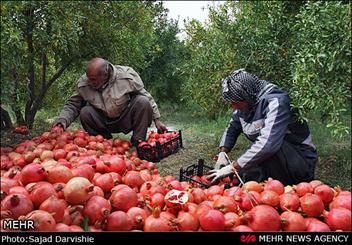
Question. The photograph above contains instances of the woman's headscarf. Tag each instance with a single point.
(243, 86)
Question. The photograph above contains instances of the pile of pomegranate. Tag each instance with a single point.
(70, 181)
(160, 138)
(21, 130)
(159, 145)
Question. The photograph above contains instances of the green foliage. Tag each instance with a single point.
(252, 35)
(206, 67)
(162, 76)
(321, 70)
(40, 41)
(304, 47)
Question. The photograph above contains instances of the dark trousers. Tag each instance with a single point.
(292, 164)
(137, 117)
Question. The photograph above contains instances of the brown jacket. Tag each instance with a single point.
(112, 100)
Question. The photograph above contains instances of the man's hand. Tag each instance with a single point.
(57, 128)
(222, 161)
(159, 125)
(218, 174)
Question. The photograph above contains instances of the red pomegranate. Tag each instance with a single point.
(263, 218)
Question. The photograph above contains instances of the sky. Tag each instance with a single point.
(188, 9)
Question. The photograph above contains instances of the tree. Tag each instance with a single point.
(321, 68)
(303, 47)
(42, 40)
(163, 76)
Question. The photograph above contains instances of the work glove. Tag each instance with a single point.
(218, 174)
(222, 160)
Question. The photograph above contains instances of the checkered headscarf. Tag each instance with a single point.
(243, 86)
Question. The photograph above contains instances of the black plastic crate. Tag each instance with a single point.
(160, 151)
(198, 169)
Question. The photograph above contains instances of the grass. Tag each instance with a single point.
(201, 137)
(334, 166)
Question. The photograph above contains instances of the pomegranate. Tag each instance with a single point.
(116, 164)
(17, 204)
(247, 201)
(116, 177)
(59, 188)
(49, 164)
(13, 173)
(263, 218)
(138, 217)
(315, 183)
(198, 195)
(325, 193)
(76, 228)
(176, 199)
(133, 179)
(61, 227)
(40, 191)
(289, 201)
(54, 206)
(59, 174)
(231, 220)
(212, 220)
(157, 200)
(341, 201)
(233, 191)
(105, 182)
(274, 185)
(187, 222)
(149, 188)
(46, 154)
(303, 188)
(29, 156)
(253, 186)
(32, 173)
(19, 190)
(292, 221)
(225, 204)
(78, 190)
(339, 219)
(5, 190)
(175, 184)
(76, 217)
(97, 191)
(43, 221)
(96, 209)
(213, 190)
(59, 154)
(155, 222)
(315, 225)
(9, 182)
(124, 199)
(311, 205)
(119, 221)
(241, 228)
(190, 208)
(270, 198)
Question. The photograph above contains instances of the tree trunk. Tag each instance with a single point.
(16, 108)
(31, 72)
(6, 122)
(37, 103)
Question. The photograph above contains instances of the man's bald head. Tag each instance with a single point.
(97, 72)
(95, 65)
